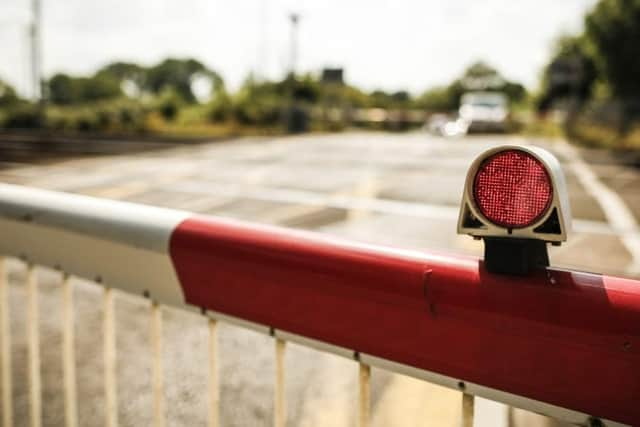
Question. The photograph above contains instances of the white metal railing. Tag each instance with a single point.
(69, 376)
(5, 350)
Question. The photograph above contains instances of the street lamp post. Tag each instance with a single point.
(36, 59)
(294, 18)
(295, 117)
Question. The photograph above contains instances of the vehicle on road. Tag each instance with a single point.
(484, 111)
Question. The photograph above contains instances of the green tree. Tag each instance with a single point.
(261, 103)
(439, 98)
(478, 76)
(382, 99)
(99, 87)
(178, 74)
(8, 96)
(125, 73)
(306, 89)
(613, 29)
(482, 76)
(169, 103)
(570, 75)
(63, 89)
(175, 74)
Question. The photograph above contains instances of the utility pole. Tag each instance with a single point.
(261, 66)
(294, 19)
(296, 117)
(36, 59)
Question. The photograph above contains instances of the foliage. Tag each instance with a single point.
(20, 116)
(125, 71)
(63, 89)
(571, 73)
(169, 103)
(117, 116)
(174, 74)
(260, 103)
(595, 69)
(441, 98)
(127, 97)
(478, 76)
(395, 100)
(8, 96)
(306, 89)
(613, 29)
(263, 103)
(220, 108)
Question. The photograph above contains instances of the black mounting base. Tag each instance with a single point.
(514, 256)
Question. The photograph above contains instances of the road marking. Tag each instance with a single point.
(616, 211)
(119, 191)
(356, 203)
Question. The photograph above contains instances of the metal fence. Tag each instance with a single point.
(155, 359)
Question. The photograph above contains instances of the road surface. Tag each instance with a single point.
(395, 189)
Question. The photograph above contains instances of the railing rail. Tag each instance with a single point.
(561, 343)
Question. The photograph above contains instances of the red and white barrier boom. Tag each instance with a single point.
(557, 342)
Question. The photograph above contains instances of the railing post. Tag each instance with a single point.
(467, 410)
(111, 403)
(158, 382)
(5, 347)
(33, 339)
(68, 353)
(364, 395)
(280, 406)
(214, 385)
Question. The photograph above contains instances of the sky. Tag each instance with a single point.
(382, 44)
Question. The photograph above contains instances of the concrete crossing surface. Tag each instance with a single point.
(396, 189)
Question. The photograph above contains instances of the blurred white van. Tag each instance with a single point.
(484, 111)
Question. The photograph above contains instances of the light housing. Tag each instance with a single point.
(515, 199)
(515, 191)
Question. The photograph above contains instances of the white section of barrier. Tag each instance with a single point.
(122, 244)
(138, 226)
(131, 269)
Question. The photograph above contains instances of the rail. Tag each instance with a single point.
(561, 343)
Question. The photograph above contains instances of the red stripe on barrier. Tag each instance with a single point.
(569, 339)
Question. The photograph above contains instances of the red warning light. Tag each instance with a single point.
(512, 189)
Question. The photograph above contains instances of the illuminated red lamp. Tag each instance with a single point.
(512, 189)
(515, 199)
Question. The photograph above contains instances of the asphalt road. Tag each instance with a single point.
(396, 189)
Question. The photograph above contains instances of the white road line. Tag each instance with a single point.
(350, 202)
(615, 209)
